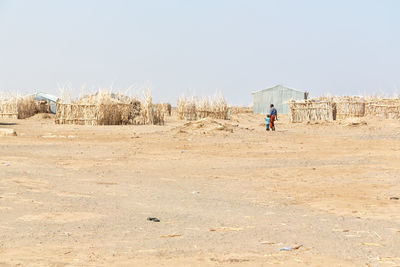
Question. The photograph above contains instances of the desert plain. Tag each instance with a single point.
(227, 193)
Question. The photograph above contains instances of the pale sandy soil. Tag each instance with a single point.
(225, 194)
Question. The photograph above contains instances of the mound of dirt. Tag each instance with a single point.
(42, 117)
(353, 122)
(206, 126)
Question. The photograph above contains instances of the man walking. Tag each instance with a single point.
(274, 116)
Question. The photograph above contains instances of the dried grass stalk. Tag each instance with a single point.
(147, 114)
(27, 107)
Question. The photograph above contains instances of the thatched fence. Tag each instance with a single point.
(332, 108)
(102, 114)
(8, 109)
(22, 107)
(386, 108)
(193, 109)
(310, 111)
(105, 108)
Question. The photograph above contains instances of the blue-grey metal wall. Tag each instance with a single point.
(278, 95)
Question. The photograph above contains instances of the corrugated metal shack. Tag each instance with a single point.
(279, 96)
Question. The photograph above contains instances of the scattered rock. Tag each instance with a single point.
(7, 132)
(173, 235)
(153, 219)
(290, 248)
(226, 229)
(354, 122)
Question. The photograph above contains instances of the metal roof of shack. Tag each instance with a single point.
(278, 86)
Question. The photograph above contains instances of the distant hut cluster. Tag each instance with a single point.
(106, 108)
(192, 108)
(300, 108)
(337, 108)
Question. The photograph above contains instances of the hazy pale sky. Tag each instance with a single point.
(200, 47)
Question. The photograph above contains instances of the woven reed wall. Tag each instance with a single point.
(385, 108)
(22, 108)
(193, 109)
(93, 114)
(306, 111)
(345, 107)
(8, 109)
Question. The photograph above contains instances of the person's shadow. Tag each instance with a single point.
(7, 123)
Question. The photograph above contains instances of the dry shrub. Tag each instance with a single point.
(27, 107)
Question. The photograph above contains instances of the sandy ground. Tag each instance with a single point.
(227, 193)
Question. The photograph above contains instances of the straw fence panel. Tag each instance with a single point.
(307, 111)
(8, 110)
(344, 107)
(80, 114)
(191, 109)
(22, 108)
(111, 114)
(347, 109)
(385, 108)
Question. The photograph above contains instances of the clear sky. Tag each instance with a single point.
(342, 47)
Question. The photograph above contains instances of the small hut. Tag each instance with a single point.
(279, 96)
